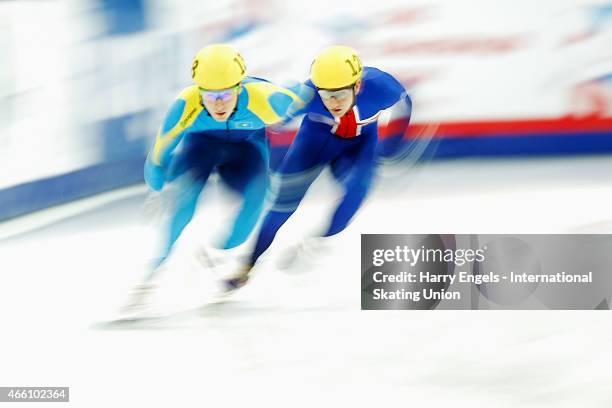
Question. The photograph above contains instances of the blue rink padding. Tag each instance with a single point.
(39, 194)
(521, 145)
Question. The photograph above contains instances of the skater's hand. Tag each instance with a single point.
(276, 129)
(153, 208)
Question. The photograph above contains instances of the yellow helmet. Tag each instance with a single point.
(218, 66)
(336, 67)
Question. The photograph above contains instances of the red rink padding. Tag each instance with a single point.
(494, 128)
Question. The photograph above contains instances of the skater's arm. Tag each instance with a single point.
(398, 104)
(275, 104)
(306, 95)
(181, 115)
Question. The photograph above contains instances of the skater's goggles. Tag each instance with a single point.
(224, 94)
(338, 94)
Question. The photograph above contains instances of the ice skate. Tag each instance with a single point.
(139, 300)
(299, 257)
(210, 258)
(238, 280)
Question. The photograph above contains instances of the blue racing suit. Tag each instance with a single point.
(191, 144)
(349, 145)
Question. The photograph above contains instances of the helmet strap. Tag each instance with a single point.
(354, 98)
(239, 84)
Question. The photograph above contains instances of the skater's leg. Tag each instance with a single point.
(354, 196)
(189, 173)
(301, 166)
(291, 191)
(184, 204)
(303, 163)
(355, 172)
(247, 174)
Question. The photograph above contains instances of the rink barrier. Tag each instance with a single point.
(39, 194)
(534, 137)
(550, 137)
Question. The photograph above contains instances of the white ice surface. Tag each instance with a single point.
(301, 339)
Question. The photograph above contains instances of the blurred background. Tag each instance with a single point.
(84, 85)
(511, 133)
